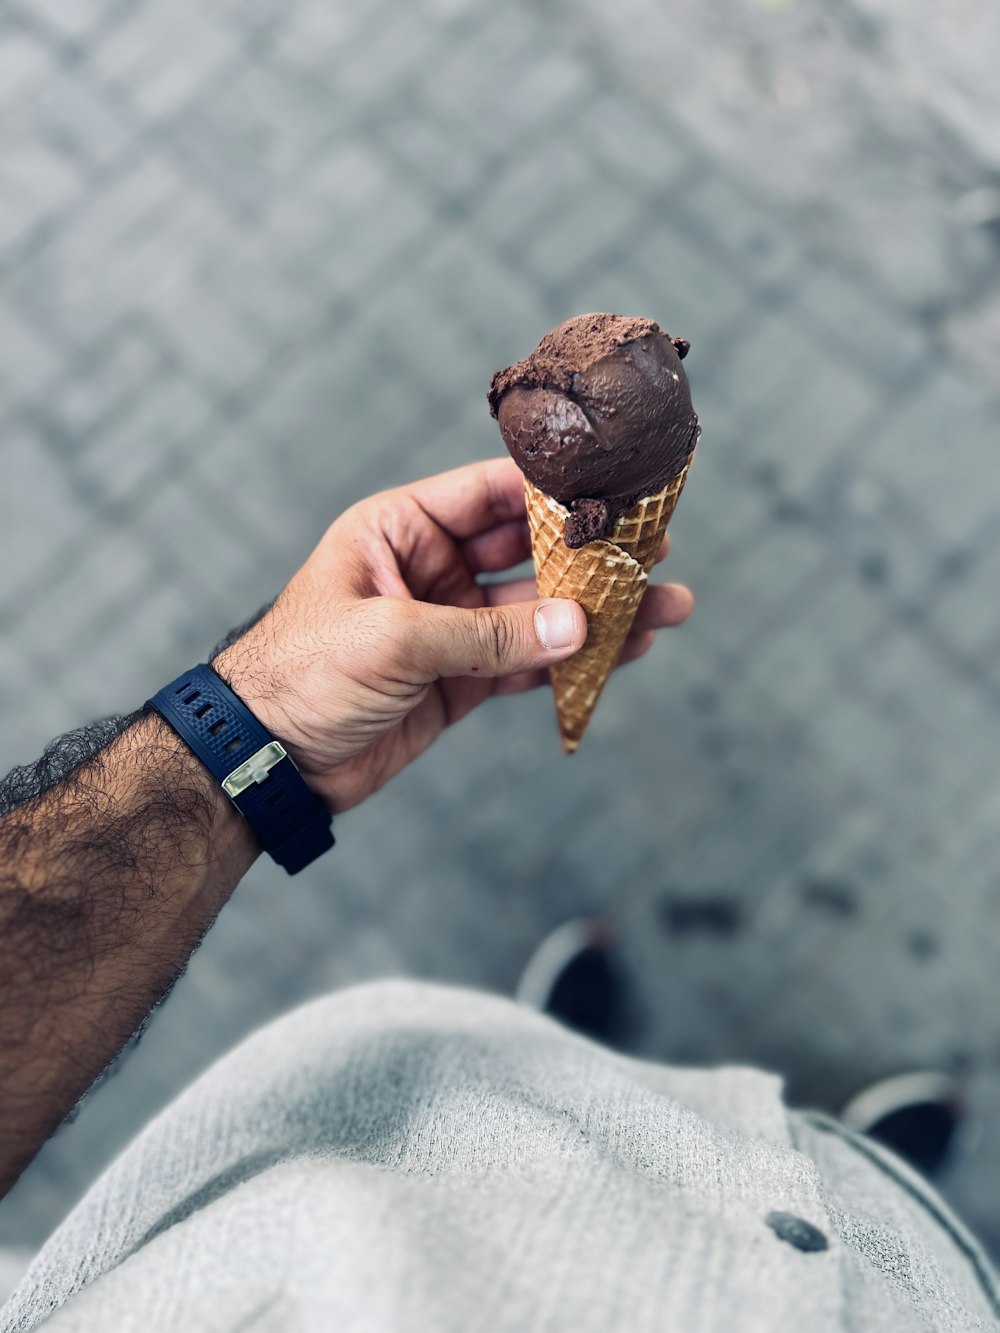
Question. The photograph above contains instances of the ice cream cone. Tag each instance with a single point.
(608, 579)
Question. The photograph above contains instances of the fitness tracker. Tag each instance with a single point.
(292, 823)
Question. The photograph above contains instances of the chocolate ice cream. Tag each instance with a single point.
(598, 417)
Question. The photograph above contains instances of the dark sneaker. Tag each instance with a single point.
(573, 977)
(916, 1115)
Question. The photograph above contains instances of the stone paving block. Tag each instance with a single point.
(342, 426)
(572, 238)
(699, 298)
(39, 513)
(80, 281)
(877, 532)
(731, 849)
(141, 644)
(28, 359)
(765, 252)
(496, 83)
(466, 439)
(940, 451)
(36, 182)
(315, 37)
(503, 311)
(228, 356)
(447, 161)
(446, 11)
(81, 117)
(179, 527)
(974, 337)
(113, 571)
(20, 740)
(163, 54)
(831, 411)
(703, 548)
(144, 194)
(619, 288)
(25, 67)
(520, 193)
(236, 481)
(351, 222)
(951, 721)
(102, 379)
(435, 352)
(767, 361)
(962, 608)
(786, 664)
(247, 135)
(548, 87)
(247, 285)
(385, 55)
(817, 903)
(909, 957)
(860, 325)
(133, 450)
(962, 853)
(878, 752)
(73, 21)
(786, 566)
(631, 142)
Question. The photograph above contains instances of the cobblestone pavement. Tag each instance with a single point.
(257, 259)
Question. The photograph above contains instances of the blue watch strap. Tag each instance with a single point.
(292, 823)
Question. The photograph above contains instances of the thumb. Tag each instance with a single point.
(494, 640)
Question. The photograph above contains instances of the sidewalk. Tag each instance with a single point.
(257, 259)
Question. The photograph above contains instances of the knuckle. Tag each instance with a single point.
(497, 637)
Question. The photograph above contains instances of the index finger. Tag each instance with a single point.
(473, 499)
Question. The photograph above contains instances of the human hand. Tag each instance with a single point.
(385, 636)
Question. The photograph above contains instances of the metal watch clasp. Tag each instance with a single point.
(255, 769)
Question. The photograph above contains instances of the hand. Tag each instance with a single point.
(384, 637)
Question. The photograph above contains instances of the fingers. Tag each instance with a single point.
(500, 548)
(514, 590)
(664, 550)
(664, 604)
(637, 645)
(473, 499)
(436, 641)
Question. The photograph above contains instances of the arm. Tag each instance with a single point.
(111, 876)
(107, 883)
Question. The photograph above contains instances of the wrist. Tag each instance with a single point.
(151, 754)
(251, 765)
(263, 689)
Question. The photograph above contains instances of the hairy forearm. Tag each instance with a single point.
(108, 881)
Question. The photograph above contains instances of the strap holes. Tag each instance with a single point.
(233, 745)
(195, 694)
(272, 798)
(203, 711)
(216, 727)
(185, 686)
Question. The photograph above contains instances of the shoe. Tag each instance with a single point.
(917, 1115)
(572, 976)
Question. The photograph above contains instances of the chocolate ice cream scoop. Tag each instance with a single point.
(598, 417)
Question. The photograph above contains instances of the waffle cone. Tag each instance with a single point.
(608, 578)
